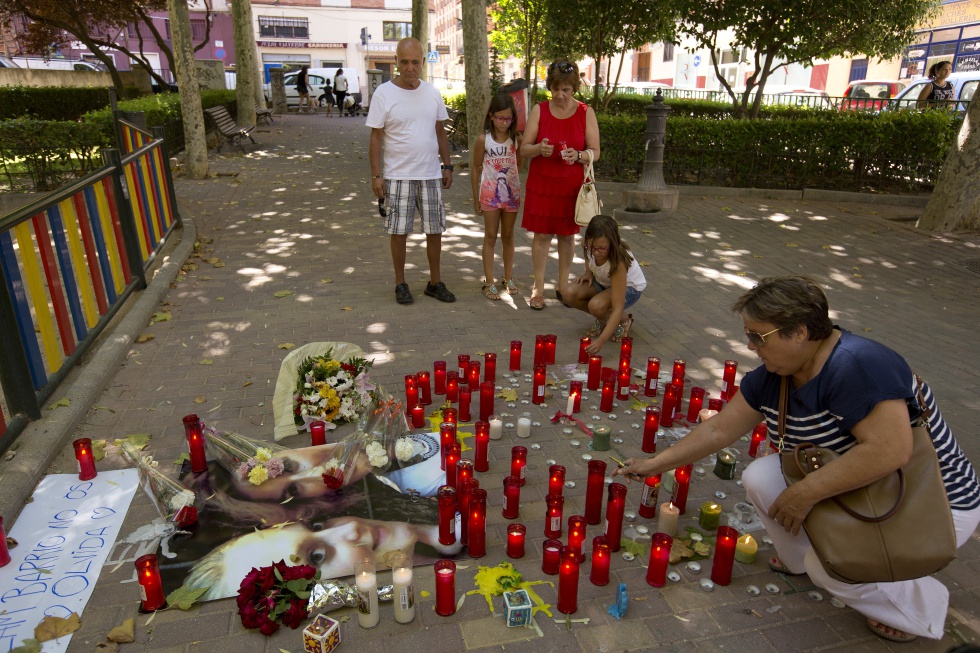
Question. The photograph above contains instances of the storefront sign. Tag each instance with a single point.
(958, 13)
(382, 47)
(298, 44)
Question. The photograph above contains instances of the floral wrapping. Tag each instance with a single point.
(331, 390)
(249, 460)
(173, 501)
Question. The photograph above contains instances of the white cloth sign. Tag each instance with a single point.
(63, 538)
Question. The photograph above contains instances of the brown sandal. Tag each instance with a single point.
(490, 292)
(536, 302)
(510, 287)
(623, 329)
(889, 633)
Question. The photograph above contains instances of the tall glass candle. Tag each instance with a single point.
(648, 499)
(418, 416)
(411, 396)
(194, 432)
(447, 515)
(682, 483)
(318, 432)
(626, 348)
(576, 535)
(550, 556)
(715, 404)
(516, 533)
(680, 367)
(553, 516)
(615, 509)
(759, 435)
(728, 379)
(515, 355)
(724, 559)
(152, 597)
(474, 376)
(490, 367)
(465, 397)
(694, 404)
(653, 374)
(608, 391)
(518, 462)
(512, 497)
(463, 491)
(463, 369)
(623, 391)
(452, 387)
(556, 480)
(595, 369)
(670, 403)
(600, 561)
(575, 390)
(550, 347)
(439, 371)
(451, 415)
(595, 482)
(477, 527)
(583, 356)
(496, 427)
(445, 588)
(487, 390)
(402, 576)
(447, 436)
(625, 365)
(540, 377)
(4, 552)
(679, 404)
(482, 446)
(366, 581)
(651, 424)
(411, 382)
(668, 518)
(540, 350)
(452, 457)
(86, 460)
(568, 581)
(659, 558)
(424, 381)
(464, 470)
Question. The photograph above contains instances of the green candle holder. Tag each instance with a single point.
(600, 437)
(725, 466)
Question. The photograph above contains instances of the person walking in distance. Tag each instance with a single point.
(340, 89)
(407, 120)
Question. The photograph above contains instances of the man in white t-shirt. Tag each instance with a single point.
(340, 89)
(406, 118)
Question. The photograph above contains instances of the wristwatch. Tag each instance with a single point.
(448, 166)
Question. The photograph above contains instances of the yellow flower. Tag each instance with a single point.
(258, 476)
(263, 455)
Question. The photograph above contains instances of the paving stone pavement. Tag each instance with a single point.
(297, 214)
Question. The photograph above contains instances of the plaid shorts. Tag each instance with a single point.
(403, 197)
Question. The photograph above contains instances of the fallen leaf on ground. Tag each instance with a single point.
(184, 597)
(145, 337)
(98, 449)
(283, 293)
(347, 308)
(679, 551)
(107, 647)
(64, 402)
(286, 345)
(246, 384)
(162, 316)
(326, 280)
(137, 441)
(644, 264)
(181, 458)
(55, 627)
(124, 632)
(508, 394)
(28, 646)
(200, 399)
(205, 361)
(792, 245)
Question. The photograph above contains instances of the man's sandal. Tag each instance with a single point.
(889, 633)
(779, 567)
(490, 292)
(510, 287)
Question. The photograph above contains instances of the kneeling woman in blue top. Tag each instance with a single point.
(611, 284)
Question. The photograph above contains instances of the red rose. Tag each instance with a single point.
(296, 614)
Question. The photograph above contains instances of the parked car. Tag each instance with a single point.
(964, 86)
(870, 94)
(58, 64)
(7, 63)
(316, 79)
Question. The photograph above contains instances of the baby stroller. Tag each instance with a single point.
(352, 105)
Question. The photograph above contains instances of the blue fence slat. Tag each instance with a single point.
(25, 325)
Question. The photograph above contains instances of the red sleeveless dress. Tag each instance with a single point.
(552, 185)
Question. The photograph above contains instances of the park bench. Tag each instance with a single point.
(262, 113)
(227, 128)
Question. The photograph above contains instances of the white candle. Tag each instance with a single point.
(571, 403)
(496, 428)
(524, 427)
(367, 590)
(667, 521)
(404, 594)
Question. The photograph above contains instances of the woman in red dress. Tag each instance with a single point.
(558, 139)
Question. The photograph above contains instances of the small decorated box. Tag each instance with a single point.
(322, 635)
(518, 606)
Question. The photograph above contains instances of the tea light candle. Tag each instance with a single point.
(568, 581)
(680, 367)
(746, 549)
(402, 577)
(606, 399)
(623, 392)
(583, 356)
(671, 394)
(464, 470)
(477, 527)
(667, 521)
(512, 497)
(695, 403)
(653, 374)
(540, 376)
(465, 396)
(705, 414)
(575, 390)
(452, 387)
(615, 507)
(550, 556)
(516, 534)
(439, 371)
(595, 369)
(418, 416)
(452, 457)
(556, 480)
(447, 515)
(518, 462)
(595, 482)
(728, 379)
(659, 558)
(318, 433)
(648, 499)
(550, 348)
(682, 484)
(725, 466)
(194, 432)
(152, 597)
(482, 454)
(523, 427)
(553, 516)
(576, 535)
(515, 355)
(600, 437)
(724, 559)
(445, 588)
(86, 461)
(4, 552)
(490, 367)
(759, 435)
(366, 581)
(710, 516)
(651, 424)
(540, 350)
(487, 390)
(463, 367)
(496, 428)
(424, 382)
(600, 561)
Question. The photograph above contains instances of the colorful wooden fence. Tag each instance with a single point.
(69, 261)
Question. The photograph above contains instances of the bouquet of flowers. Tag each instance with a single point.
(333, 391)
(278, 593)
(173, 501)
(249, 460)
(384, 432)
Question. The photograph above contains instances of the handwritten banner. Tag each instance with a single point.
(63, 538)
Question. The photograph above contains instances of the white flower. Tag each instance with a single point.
(404, 449)
(331, 464)
(376, 454)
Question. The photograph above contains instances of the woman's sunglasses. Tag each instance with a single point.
(758, 339)
(563, 67)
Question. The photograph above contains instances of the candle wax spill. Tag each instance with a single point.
(738, 482)
(752, 590)
(593, 408)
(720, 495)
(706, 584)
(772, 588)
(526, 401)
(766, 539)
(512, 405)
(509, 425)
(608, 480)
(627, 412)
(612, 416)
(596, 418)
(642, 530)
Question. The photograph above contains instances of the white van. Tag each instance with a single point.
(316, 81)
(58, 64)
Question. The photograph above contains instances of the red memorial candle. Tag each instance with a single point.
(86, 461)
(670, 403)
(728, 380)
(447, 436)
(575, 390)
(410, 382)
(679, 404)
(553, 516)
(608, 392)
(595, 481)
(463, 368)
(680, 367)
(4, 552)
(452, 457)
(550, 556)
(759, 435)
(152, 597)
(682, 483)
(540, 350)
(424, 381)
(318, 433)
(477, 528)
(583, 356)
(626, 348)
(482, 446)
(550, 348)
(653, 377)
(651, 424)
(462, 505)
(452, 387)
(447, 515)
(512, 497)
(518, 462)
(615, 508)
(625, 365)
(648, 499)
(568, 581)
(576, 535)
(516, 533)
(487, 390)
(439, 371)
(556, 480)
(721, 566)
(418, 416)
(540, 377)
(715, 404)
(600, 561)
(595, 370)
(694, 404)
(445, 588)
(490, 367)
(194, 432)
(451, 415)
(411, 395)
(465, 399)
(464, 470)
(623, 392)
(659, 558)
(474, 375)
(515, 355)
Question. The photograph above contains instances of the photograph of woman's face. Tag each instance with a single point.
(302, 477)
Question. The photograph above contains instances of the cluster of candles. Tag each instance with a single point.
(458, 386)
(366, 582)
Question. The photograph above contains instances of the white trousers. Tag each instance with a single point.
(916, 606)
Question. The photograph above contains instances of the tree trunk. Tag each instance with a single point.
(259, 76)
(420, 30)
(195, 141)
(241, 12)
(955, 203)
(477, 66)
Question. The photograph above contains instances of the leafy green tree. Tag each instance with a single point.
(520, 32)
(784, 32)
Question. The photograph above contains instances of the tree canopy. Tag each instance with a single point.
(520, 32)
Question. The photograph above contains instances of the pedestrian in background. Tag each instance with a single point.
(340, 89)
(303, 90)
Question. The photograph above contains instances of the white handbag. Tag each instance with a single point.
(587, 206)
